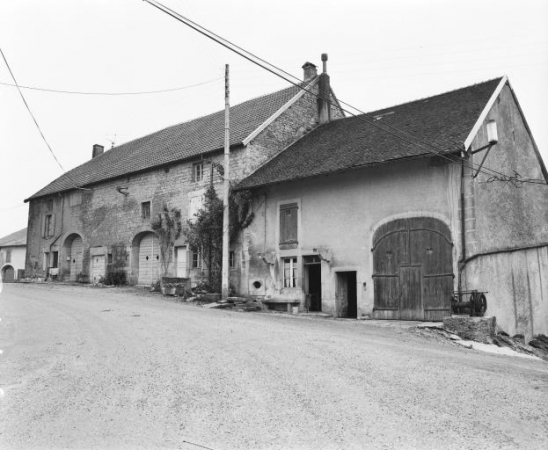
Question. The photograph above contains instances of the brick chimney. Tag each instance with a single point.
(324, 103)
(309, 71)
(97, 150)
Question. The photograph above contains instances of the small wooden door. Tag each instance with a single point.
(347, 302)
(76, 258)
(149, 259)
(342, 295)
(97, 268)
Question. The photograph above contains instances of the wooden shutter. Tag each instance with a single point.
(288, 226)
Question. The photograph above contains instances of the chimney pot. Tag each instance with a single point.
(309, 71)
(97, 150)
(324, 60)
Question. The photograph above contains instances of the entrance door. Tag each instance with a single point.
(347, 299)
(76, 258)
(315, 287)
(182, 267)
(149, 259)
(9, 274)
(413, 270)
(55, 262)
(97, 268)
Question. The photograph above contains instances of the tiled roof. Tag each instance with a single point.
(175, 143)
(443, 121)
(14, 239)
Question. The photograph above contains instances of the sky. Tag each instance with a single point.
(381, 53)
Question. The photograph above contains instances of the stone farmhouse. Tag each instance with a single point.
(12, 255)
(385, 215)
(382, 215)
(101, 211)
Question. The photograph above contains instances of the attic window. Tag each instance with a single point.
(49, 205)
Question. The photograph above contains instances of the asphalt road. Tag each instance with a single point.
(91, 368)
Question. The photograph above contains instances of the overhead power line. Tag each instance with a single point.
(394, 131)
(159, 91)
(36, 122)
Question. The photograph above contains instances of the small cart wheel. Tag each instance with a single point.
(480, 305)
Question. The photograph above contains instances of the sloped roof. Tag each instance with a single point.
(14, 239)
(443, 121)
(179, 142)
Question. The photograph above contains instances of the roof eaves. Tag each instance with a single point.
(344, 169)
(280, 111)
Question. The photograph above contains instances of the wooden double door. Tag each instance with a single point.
(413, 270)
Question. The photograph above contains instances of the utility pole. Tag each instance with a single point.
(226, 225)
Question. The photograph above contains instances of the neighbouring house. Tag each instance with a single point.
(98, 215)
(12, 256)
(384, 215)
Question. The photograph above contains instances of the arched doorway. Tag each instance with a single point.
(8, 274)
(413, 269)
(146, 258)
(74, 250)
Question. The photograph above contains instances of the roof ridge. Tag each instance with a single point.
(184, 122)
(432, 96)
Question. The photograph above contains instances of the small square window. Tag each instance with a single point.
(198, 171)
(145, 210)
(290, 272)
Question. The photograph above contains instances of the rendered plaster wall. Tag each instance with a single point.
(17, 258)
(517, 285)
(339, 214)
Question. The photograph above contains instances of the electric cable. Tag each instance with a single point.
(159, 91)
(36, 123)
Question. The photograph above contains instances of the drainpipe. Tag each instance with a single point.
(462, 260)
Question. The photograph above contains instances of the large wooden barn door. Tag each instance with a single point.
(149, 259)
(413, 270)
(76, 258)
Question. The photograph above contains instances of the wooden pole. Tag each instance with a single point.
(226, 225)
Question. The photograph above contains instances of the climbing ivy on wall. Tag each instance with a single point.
(205, 231)
(168, 227)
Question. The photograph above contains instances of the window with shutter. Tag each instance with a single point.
(288, 226)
